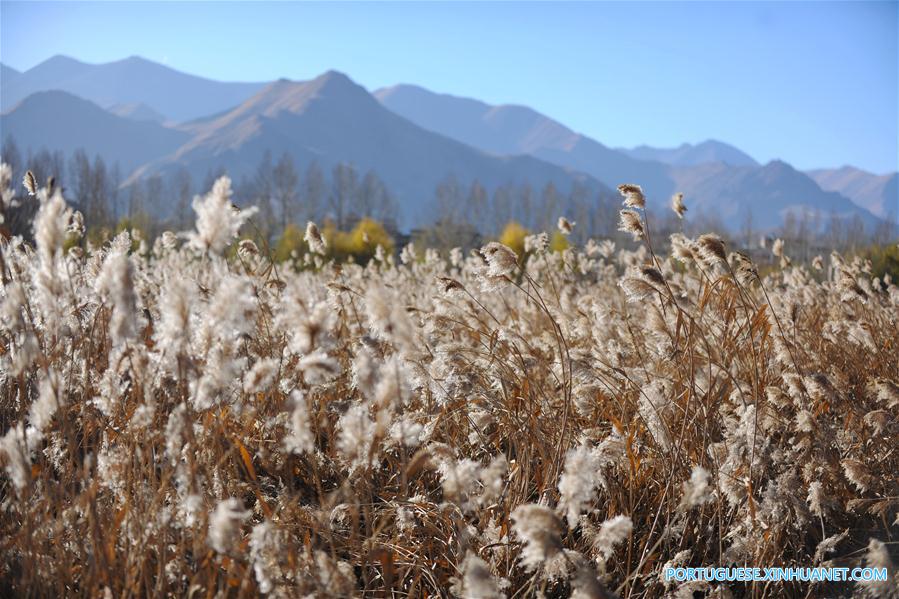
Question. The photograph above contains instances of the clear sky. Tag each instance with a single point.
(812, 83)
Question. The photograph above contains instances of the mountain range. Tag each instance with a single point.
(151, 119)
(693, 155)
(134, 80)
(877, 193)
(331, 119)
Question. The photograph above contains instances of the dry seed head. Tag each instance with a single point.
(536, 243)
(224, 524)
(746, 270)
(629, 222)
(501, 259)
(696, 490)
(30, 183)
(539, 528)
(848, 285)
(218, 220)
(636, 289)
(449, 284)
(633, 195)
(677, 204)
(652, 276)
(682, 248)
(612, 532)
(477, 580)
(313, 237)
(711, 248)
(777, 248)
(248, 247)
(887, 393)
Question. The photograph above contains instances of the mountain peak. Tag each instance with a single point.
(334, 81)
(686, 154)
(778, 165)
(59, 61)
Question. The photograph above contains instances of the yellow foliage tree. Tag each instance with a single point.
(513, 236)
(291, 240)
(360, 243)
(559, 242)
(366, 236)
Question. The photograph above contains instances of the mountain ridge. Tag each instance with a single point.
(877, 193)
(710, 150)
(130, 80)
(58, 120)
(747, 185)
(331, 119)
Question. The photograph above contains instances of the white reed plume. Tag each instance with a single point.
(579, 481)
(313, 238)
(539, 529)
(501, 259)
(299, 437)
(224, 524)
(218, 220)
(697, 490)
(611, 533)
(629, 222)
(565, 226)
(633, 195)
(477, 580)
(677, 205)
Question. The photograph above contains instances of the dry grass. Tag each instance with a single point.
(178, 424)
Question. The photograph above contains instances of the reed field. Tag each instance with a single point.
(188, 418)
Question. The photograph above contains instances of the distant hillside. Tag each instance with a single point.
(176, 95)
(718, 181)
(136, 111)
(762, 196)
(877, 193)
(510, 129)
(60, 121)
(8, 76)
(330, 120)
(693, 155)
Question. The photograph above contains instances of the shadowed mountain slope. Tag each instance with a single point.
(331, 119)
(58, 120)
(877, 193)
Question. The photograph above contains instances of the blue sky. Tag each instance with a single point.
(813, 83)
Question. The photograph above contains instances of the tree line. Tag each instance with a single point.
(463, 213)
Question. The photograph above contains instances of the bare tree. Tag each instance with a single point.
(79, 183)
(375, 200)
(747, 229)
(550, 208)
(525, 205)
(448, 196)
(98, 207)
(855, 232)
(313, 192)
(180, 190)
(501, 208)
(11, 156)
(154, 210)
(263, 189)
(344, 193)
(476, 204)
(136, 200)
(285, 189)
